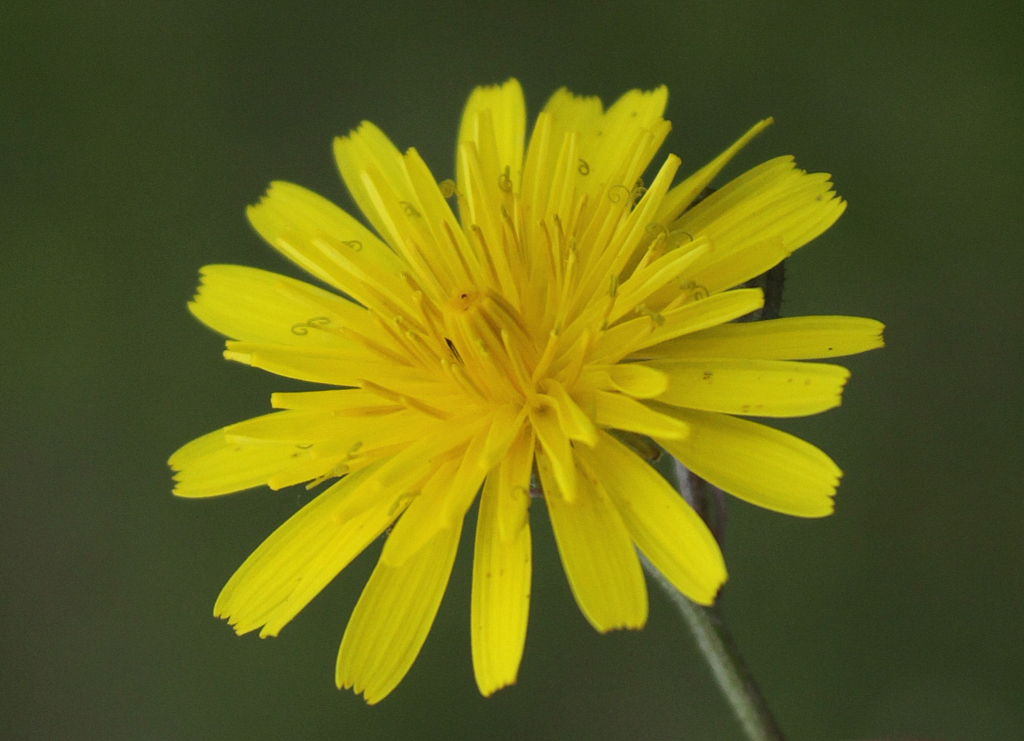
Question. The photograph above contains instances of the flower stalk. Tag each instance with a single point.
(713, 638)
(731, 673)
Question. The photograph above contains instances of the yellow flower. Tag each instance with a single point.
(566, 302)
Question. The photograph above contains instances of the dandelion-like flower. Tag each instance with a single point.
(567, 310)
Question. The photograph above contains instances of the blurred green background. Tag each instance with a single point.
(132, 135)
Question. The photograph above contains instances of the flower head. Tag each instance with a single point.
(567, 307)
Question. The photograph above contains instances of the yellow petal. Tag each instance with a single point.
(338, 367)
(403, 474)
(537, 169)
(774, 200)
(446, 243)
(736, 267)
(659, 520)
(212, 465)
(646, 281)
(473, 467)
(392, 618)
(351, 402)
(482, 199)
(569, 112)
(759, 464)
(516, 469)
(443, 501)
(625, 240)
(506, 110)
(287, 448)
(636, 111)
(308, 426)
(368, 147)
(321, 238)
(401, 216)
(501, 585)
(507, 421)
(556, 445)
(258, 306)
(683, 194)
(792, 338)
(576, 424)
(300, 558)
(636, 334)
(563, 114)
(613, 149)
(421, 519)
(761, 388)
(624, 413)
(597, 554)
(718, 272)
(314, 468)
(634, 379)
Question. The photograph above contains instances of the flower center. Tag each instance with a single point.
(492, 347)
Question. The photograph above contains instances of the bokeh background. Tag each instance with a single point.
(132, 135)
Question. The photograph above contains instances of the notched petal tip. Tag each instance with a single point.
(489, 689)
(363, 127)
(509, 85)
(879, 336)
(707, 599)
(638, 624)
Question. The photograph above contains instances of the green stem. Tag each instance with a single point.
(717, 645)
